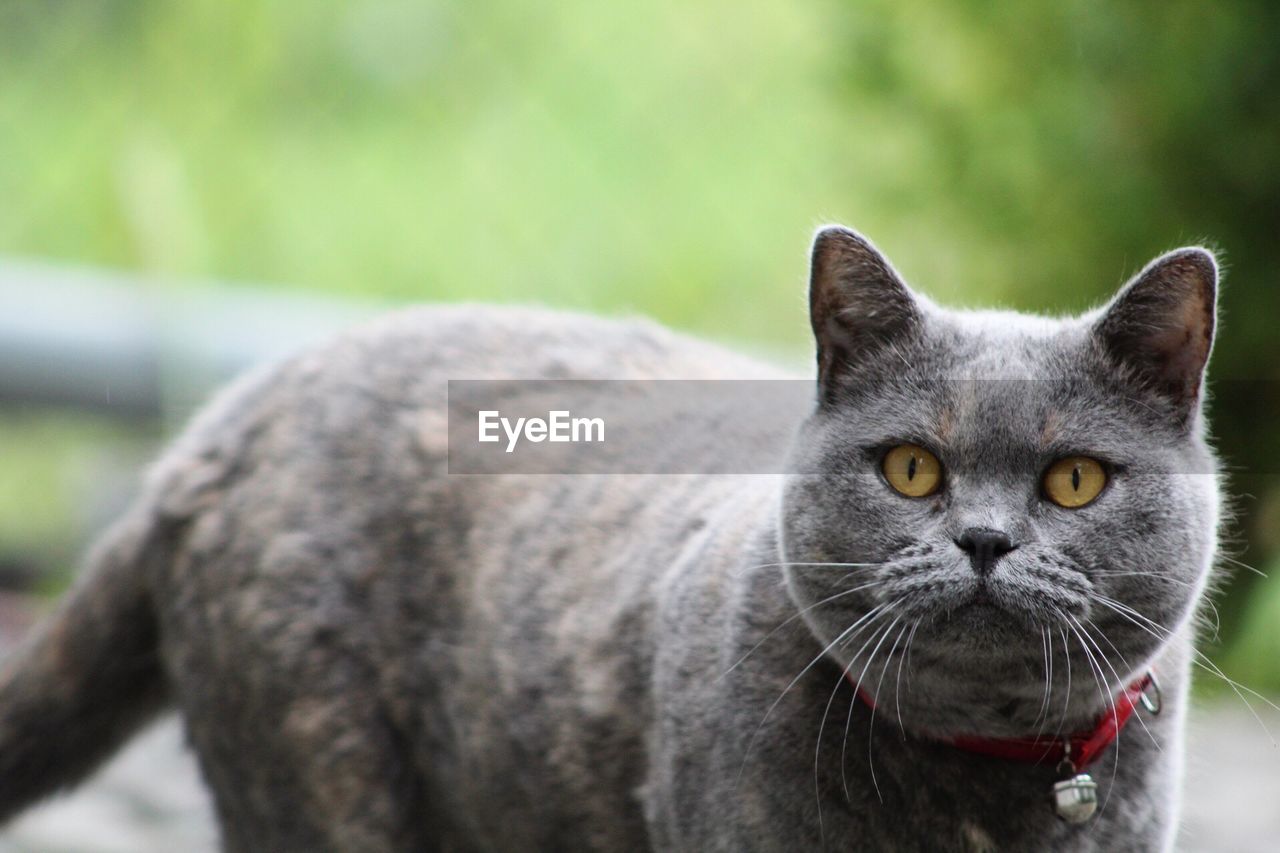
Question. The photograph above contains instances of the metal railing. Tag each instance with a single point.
(129, 347)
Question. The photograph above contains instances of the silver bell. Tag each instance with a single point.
(1076, 798)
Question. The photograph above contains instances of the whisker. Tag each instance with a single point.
(817, 752)
(1234, 561)
(871, 726)
(1168, 634)
(1208, 665)
(1066, 702)
(822, 654)
(793, 617)
(1103, 634)
(897, 690)
(844, 782)
(1044, 657)
(1046, 704)
(1155, 575)
(1206, 601)
(817, 749)
(1048, 698)
(852, 660)
(741, 569)
(1101, 678)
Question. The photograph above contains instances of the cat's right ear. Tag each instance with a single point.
(1158, 330)
(859, 307)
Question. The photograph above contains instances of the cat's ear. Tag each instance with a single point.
(858, 305)
(1159, 327)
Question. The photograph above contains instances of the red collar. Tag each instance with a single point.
(1080, 749)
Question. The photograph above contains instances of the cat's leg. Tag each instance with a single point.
(317, 770)
(276, 675)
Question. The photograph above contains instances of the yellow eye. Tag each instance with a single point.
(912, 470)
(1074, 481)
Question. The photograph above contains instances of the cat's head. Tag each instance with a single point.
(1001, 490)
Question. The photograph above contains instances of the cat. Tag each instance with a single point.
(373, 654)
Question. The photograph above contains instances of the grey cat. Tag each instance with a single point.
(371, 654)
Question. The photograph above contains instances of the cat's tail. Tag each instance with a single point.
(86, 678)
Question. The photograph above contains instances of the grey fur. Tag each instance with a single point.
(373, 655)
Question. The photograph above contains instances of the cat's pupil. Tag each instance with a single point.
(911, 468)
(1075, 478)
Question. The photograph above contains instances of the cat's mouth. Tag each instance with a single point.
(985, 611)
(979, 606)
(982, 596)
(1007, 602)
(984, 605)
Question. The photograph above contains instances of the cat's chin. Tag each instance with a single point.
(983, 622)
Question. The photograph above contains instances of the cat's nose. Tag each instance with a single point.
(984, 546)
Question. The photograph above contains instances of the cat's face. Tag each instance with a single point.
(1009, 490)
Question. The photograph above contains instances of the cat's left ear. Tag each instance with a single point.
(1159, 327)
(859, 306)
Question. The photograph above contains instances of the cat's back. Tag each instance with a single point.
(330, 577)
(367, 414)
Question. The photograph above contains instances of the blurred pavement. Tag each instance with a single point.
(1231, 796)
(148, 799)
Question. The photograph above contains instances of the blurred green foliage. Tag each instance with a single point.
(669, 158)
